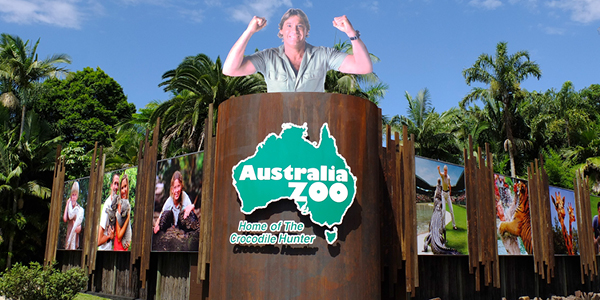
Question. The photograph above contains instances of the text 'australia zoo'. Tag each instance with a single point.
(289, 166)
(317, 191)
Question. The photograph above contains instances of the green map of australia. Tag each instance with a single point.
(290, 167)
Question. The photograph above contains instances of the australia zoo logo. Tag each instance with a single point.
(288, 166)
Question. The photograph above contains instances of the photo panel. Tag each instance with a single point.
(117, 215)
(441, 207)
(595, 207)
(72, 214)
(513, 217)
(564, 222)
(176, 222)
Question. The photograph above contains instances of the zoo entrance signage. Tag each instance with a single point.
(289, 166)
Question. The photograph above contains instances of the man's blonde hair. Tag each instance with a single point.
(294, 12)
(75, 187)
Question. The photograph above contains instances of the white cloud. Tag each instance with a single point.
(487, 4)
(212, 3)
(62, 13)
(552, 30)
(193, 15)
(584, 11)
(261, 8)
(532, 4)
(372, 6)
(154, 2)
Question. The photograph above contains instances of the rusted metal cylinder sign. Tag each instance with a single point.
(296, 204)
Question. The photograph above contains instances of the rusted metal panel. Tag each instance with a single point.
(471, 194)
(142, 240)
(58, 184)
(543, 245)
(92, 214)
(348, 269)
(405, 193)
(207, 197)
(479, 183)
(584, 224)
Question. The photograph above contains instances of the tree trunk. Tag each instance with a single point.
(509, 136)
(22, 121)
(511, 155)
(14, 208)
(567, 132)
(10, 246)
(11, 236)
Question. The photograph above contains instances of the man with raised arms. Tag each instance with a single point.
(446, 189)
(297, 66)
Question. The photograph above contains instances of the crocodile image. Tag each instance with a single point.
(437, 231)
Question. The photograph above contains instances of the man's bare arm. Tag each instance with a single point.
(359, 62)
(235, 64)
(105, 238)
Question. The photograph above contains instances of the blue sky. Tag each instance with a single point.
(421, 43)
(426, 169)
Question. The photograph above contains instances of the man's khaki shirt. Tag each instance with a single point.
(279, 73)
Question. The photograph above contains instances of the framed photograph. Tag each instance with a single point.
(117, 215)
(176, 223)
(513, 217)
(441, 207)
(564, 221)
(72, 216)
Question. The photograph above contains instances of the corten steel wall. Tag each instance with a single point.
(349, 269)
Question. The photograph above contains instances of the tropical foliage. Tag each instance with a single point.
(434, 136)
(84, 108)
(367, 86)
(23, 163)
(88, 106)
(26, 148)
(196, 83)
(503, 73)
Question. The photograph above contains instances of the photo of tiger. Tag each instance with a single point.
(518, 221)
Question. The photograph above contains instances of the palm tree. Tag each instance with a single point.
(571, 112)
(433, 132)
(486, 125)
(473, 122)
(195, 83)
(419, 107)
(560, 118)
(181, 123)
(592, 95)
(366, 86)
(503, 73)
(20, 68)
(123, 151)
(394, 122)
(21, 162)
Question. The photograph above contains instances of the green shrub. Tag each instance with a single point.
(38, 283)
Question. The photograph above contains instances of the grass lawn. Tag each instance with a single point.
(458, 239)
(82, 296)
